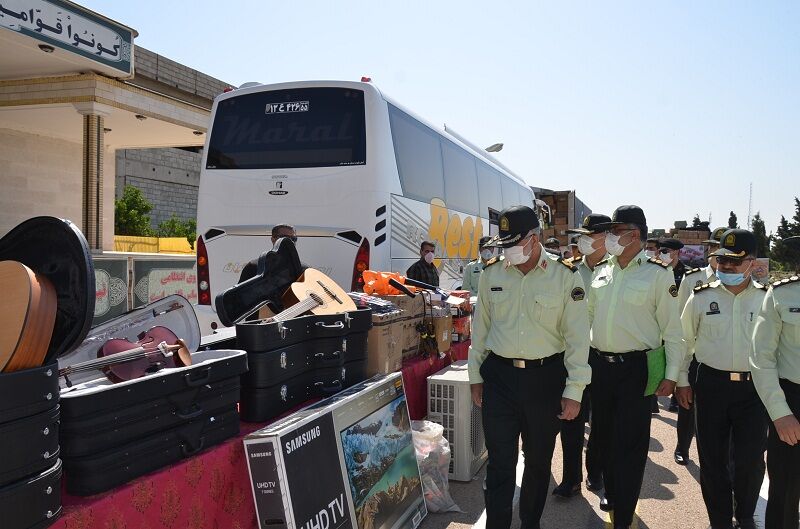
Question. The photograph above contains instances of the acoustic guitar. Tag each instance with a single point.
(316, 293)
(27, 316)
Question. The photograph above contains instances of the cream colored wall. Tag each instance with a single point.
(42, 176)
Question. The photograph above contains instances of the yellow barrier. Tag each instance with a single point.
(127, 243)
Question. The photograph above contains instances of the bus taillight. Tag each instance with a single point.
(203, 281)
(361, 264)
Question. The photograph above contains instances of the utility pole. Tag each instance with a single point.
(750, 208)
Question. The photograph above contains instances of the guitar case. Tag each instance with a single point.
(174, 412)
(299, 359)
(277, 270)
(30, 471)
(33, 502)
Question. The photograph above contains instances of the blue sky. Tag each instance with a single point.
(675, 106)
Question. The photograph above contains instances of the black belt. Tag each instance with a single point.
(788, 385)
(525, 364)
(615, 358)
(732, 376)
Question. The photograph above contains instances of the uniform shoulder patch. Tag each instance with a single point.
(787, 281)
(704, 286)
(493, 260)
(659, 262)
(604, 261)
(577, 294)
(673, 291)
(692, 271)
(569, 265)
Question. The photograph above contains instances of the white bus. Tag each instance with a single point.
(363, 180)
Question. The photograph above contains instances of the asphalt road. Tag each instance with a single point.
(670, 496)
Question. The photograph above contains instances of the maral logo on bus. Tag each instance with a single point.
(285, 108)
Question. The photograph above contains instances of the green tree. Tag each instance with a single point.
(785, 256)
(131, 213)
(760, 231)
(733, 222)
(696, 221)
(175, 227)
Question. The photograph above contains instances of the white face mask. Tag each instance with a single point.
(429, 257)
(612, 244)
(650, 253)
(666, 258)
(586, 245)
(486, 254)
(516, 255)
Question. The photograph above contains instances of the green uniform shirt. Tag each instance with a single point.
(531, 316)
(584, 270)
(472, 273)
(718, 327)
(776, 345)
(695, 277)
(635, 308)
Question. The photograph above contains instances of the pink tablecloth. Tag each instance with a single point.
(210, 490)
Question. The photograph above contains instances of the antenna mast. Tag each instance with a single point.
(750, 208)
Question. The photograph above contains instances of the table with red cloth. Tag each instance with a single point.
(212, 489)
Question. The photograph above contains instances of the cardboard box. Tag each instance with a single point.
(442, 328)
(411, 307)
(385, 343)
(347, 462)
(411, 338)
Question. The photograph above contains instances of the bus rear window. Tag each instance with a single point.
(304, 127)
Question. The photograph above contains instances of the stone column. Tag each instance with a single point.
(94, 115)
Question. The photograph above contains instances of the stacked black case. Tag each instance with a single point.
(113, 433)
(299, 359)
(30, 468)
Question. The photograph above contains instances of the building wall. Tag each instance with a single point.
(40, 175)
(168, 178)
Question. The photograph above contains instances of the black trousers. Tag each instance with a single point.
(572, 435)
(621, 426)
(686, 420)
(518, 402)
(783, 464)
(729, 412)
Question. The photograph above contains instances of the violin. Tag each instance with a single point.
(121, 359)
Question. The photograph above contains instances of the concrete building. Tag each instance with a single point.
(69, 104)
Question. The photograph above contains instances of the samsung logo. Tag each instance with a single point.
(302, 440)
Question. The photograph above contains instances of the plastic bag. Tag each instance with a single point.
(433, 457)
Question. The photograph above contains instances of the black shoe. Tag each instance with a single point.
(681, 459)
(605, 505)
(746, 524)
(567, 491)
(594, 483)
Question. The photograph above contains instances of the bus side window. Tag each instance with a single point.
(489, 193)
(460, 181)
(419, 157)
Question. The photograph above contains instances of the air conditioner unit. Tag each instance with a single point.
(450, 404)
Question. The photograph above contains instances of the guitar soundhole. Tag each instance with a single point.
(317, 298)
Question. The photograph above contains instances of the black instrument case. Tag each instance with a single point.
(111, 433)
(30, 471)
(299, 359)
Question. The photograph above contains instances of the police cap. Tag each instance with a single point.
(736, 244)
(515, 223)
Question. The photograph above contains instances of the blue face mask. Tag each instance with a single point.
(731, 279)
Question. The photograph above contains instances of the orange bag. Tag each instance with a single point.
(377, 283)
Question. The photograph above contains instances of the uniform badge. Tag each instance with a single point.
(504, 223)
(497, 289)
(713, 308)
(673, 291)
(577, 294)
(794, 309)
(699, 283)
(730, 240)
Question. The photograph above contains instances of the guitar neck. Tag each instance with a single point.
(295, 310)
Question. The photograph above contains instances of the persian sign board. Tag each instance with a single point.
(111, 289)
(157, 279)
(66, 26)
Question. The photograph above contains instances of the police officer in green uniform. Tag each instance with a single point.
(718, 323)
(632, 307)
(692, 278)
(592, 250)
(472, 272)
(527, 363)
(775, 360)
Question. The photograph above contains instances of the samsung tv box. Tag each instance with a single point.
(346, 462)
